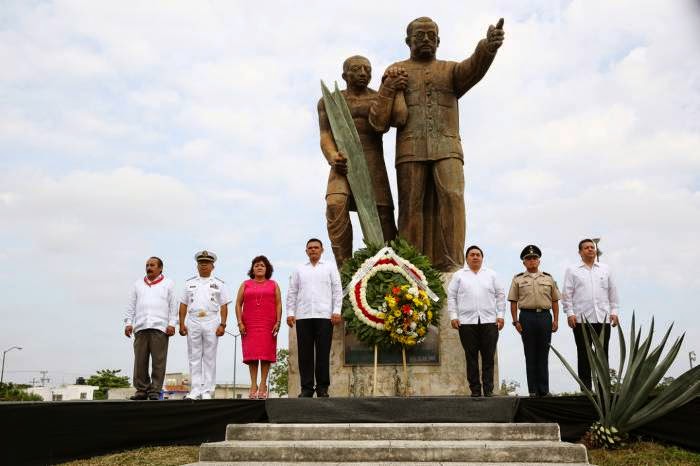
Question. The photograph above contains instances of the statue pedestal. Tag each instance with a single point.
(449, 377)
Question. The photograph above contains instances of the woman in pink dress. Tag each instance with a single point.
(259, 311)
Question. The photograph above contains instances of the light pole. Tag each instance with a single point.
(598, 252)
(691, 358)
(2, 373)
(235, 357)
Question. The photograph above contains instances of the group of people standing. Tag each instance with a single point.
(201, 312)
(476, 303)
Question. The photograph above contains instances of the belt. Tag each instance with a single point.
(534, 310)
(201, 313)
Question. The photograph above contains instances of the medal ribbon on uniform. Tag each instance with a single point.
(160, 278)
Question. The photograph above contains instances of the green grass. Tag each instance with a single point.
(644, 454)
(149, 456)
(635, 454)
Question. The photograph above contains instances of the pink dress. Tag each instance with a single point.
(259, 317)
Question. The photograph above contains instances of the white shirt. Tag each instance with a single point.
(205, 294)
(314, 291)
(152, 306)
(475, 297)
(589, 292)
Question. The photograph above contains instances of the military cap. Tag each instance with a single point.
(206, 256)
(530, 250)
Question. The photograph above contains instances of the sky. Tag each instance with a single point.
(132, 129)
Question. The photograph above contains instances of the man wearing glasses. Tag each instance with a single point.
(419, 97)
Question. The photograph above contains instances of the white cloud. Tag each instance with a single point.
(128, 128)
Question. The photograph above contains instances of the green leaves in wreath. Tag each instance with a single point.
(379, 286)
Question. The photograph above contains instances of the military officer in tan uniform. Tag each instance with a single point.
(535, 293)
(357, 73)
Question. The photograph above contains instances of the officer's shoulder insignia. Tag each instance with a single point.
(545, 273)
(520, 274)
(220, 280)
(191, 278)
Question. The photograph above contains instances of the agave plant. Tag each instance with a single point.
(630, 406)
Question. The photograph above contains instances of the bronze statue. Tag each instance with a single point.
(419, 97)
(357, 73)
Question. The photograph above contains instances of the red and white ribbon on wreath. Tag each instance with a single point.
(386, 260)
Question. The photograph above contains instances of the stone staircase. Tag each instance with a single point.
(392, 444)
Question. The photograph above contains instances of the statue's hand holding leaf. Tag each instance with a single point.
(495, 36)
(340, 163)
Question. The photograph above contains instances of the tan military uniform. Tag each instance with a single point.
(534, 290)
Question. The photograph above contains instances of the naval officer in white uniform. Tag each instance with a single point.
(203, 313)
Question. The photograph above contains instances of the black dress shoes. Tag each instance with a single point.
(306, 394)
(321, 393)
(154, 396)
(139, 396)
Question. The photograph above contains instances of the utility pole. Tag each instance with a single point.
(44, 380)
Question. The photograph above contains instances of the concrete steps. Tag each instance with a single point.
(392, 444)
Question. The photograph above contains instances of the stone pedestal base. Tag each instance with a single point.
(449, 377)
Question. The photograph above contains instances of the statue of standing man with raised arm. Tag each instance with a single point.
(429, 157)
(357, 73)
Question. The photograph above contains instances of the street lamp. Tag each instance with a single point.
(598, 252)
(235, 357)
(2, 373)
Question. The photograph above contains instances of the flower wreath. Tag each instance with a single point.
(393, 295)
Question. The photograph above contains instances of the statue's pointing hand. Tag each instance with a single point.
(495, 36)
(340, 163)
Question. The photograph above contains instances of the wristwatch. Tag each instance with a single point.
(515, 323)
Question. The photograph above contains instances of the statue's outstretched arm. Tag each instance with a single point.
(470, 71)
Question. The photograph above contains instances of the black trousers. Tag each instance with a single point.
(314, 338)
(479, 339)
(149, 344)
(584, 368)
(537, 335)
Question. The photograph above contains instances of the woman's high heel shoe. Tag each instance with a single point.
(253, 394)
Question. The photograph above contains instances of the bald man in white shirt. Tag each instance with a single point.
(589, 294)
(476, 303)
(151, 316)
(314, 301)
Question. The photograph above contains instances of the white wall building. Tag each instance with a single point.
(64, 393)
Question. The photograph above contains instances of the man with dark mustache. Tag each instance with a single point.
(151, 315)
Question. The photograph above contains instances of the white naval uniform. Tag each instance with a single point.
(203, 298)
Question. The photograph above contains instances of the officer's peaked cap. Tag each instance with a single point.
(531, 250)
(206, 256)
